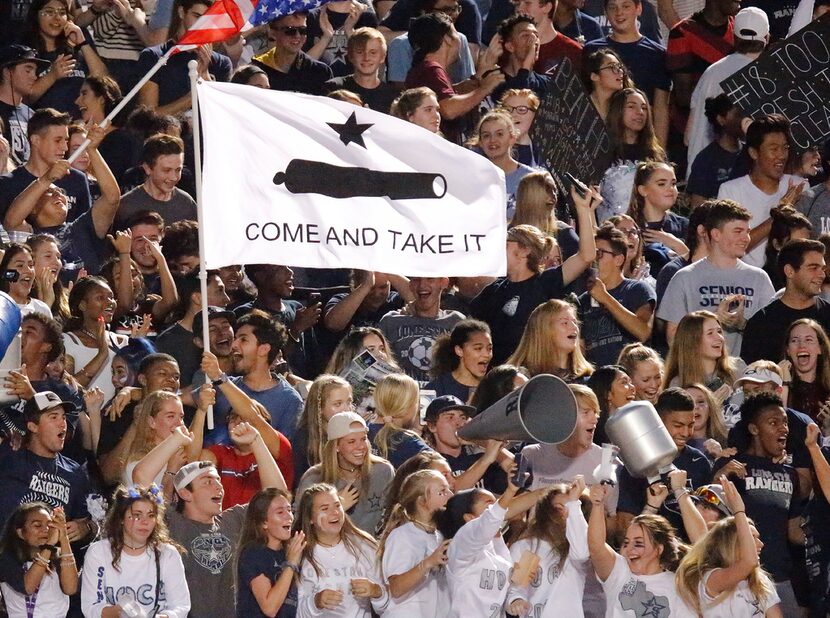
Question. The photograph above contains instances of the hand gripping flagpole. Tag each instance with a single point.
(193, 72)
(127, 98)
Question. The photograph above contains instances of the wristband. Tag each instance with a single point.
(290, 565)
(81, 44)
(678, 493)
(736, 512)
(222, 379)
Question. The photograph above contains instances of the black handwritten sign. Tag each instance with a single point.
(791, 78)
(568, 131)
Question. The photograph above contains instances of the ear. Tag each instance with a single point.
(82, 305)
(641, 190)
(144, 166)
(459, 351)
(431, 426)
(468, 517)
(753, 429)
(185, 494)
(142, 379)
(31, 427)
(753, 153)
(263, 349)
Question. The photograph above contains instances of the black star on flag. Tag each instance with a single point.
(350, 131)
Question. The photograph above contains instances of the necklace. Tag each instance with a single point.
(425, 527)
(319, 542)
(352, 470)
(89, 334)
(134, 548)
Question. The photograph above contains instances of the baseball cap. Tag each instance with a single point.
(445, 403)
(340, 425)
(711, 495)
(190, 472)
(15, 53)
(43, 401)
(751, 24)
(213, 312)
(759, 375)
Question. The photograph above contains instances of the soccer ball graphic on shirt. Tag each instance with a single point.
(420, 353)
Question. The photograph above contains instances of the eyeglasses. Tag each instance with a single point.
(632, 232)
(601, 252)
(53, 12)
(454, 9)
(519, 109)
(293, 30)
(614, 68)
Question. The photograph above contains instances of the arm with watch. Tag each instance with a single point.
(56, 545)
(247, 409)
(693, 521)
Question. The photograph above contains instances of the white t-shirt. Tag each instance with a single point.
(550, 467)
(406, 546)
(556, 589)
(478, 567)
(758, 203)
(50, 601)
(699, 133)
(35, 305)
(338, 566)
(102, 585)
(638, 596)
(741, 603)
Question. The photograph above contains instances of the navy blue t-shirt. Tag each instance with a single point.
(493, 480)
(446, 384)
(172, 79)
(604, 336)
(468, 22)
(26, 477)
(78, 240)
(506, 306)
(583, 28)
(254, 561)
(645, 60)
(796, 449)
(657, 254)
(711, 168)
(402, 445)
(75, 184)
(770, 493)
(649, 23)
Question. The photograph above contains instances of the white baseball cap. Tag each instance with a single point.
(751, 24)
(340, 425)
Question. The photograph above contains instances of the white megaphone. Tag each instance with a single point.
(543, 410)
(11, 362)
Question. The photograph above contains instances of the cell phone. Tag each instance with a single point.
(11, 275)
(581, 187)
(521, 478)
(314, 298)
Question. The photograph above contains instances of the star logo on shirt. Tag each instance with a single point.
(652, 607)
(374, 502)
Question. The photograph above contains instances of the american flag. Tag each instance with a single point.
(268, 10)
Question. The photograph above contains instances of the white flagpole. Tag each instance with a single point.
(197, 155)
(127, 98)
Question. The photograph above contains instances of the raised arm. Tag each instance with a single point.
(602, 556)
(586, 219)
(269, 472)
(124, 293)
(149, 466)
(25, 203)
(692, 519)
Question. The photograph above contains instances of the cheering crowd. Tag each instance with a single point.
(309, 463)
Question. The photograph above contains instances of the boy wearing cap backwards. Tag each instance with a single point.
(210, 534)
(769, 490)
(38, 471)
(18, 72)
(764, 376)
(710, 504)
(447, 414)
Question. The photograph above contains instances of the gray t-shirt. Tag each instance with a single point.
(814, 204)
(549, 466)
(703, 285)
(209, 559)
(369, 508)
(179, 207)
(412, 338)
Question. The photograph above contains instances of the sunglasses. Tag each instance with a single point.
(294, 30)
(708, 496)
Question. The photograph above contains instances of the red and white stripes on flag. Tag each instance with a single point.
(221, 21)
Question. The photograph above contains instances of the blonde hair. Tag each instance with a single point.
(144, 440)
(684, 361)
(312, 415)
(536, 351)
(396, 401)
(634, 353)
(527, 93)
(582, 392)
(413, 489)
(718, 549)
(535, 241)
(715, 425)
(532, 207)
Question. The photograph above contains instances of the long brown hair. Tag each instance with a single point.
(256, 514)
(661, 532)
(123, 499)
(637, 204)
(684, 360)
(823, 363)
(312, 415)
(532, 203)
(350, 534)
(646, 138)
(548, 523)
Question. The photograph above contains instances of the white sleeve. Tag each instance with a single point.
(176, 592)
(576, 531)
(379, 604)
(513, 591)
(306, 590)
(803, 15)
(94, 580)
(475, 535)
(399, 555)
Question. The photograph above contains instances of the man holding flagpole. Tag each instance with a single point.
(168, 91)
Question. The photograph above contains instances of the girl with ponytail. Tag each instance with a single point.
(460, 359)
(397, 404)
(412, 552)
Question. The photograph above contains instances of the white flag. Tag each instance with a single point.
(299, 180)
